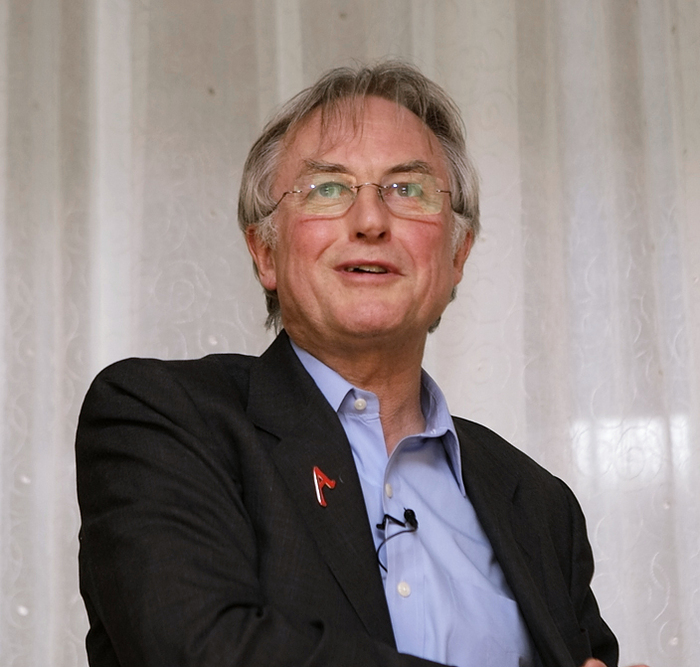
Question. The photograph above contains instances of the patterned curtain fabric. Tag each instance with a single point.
(576, 333)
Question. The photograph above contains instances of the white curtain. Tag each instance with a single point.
(576, 334)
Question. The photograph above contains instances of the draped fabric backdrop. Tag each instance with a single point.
(576, 334)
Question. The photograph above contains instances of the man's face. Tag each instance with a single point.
(368, 274)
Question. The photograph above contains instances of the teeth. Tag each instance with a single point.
(367, 268)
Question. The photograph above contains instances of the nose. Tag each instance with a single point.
(369, 217)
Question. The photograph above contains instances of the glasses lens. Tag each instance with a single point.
(326, 194)
(413, 195)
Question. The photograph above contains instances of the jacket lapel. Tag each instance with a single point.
(284, 401)
(492, 486)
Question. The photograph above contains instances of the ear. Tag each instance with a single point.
(263, 257)
(461, 256)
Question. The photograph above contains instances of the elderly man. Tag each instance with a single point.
(319, 505)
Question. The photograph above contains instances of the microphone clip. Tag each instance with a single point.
(409, 524)
(410, 521)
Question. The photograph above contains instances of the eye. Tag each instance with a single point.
(328, 190)
(407, 190)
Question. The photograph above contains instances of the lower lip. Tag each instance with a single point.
(361, 276)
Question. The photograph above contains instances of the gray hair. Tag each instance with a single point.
(391, 80)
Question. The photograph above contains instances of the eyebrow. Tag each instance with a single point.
(414, 166)
(321, 167)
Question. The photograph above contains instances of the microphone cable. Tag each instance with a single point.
(409, 524)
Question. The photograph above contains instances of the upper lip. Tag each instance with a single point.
(367, 263)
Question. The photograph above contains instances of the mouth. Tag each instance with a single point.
(366, 268)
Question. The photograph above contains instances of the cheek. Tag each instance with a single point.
(430, 249)
(310, 239)
(300, 250)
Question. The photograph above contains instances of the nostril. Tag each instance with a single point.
(382, 234)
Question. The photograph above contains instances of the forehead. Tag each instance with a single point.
(367, 137)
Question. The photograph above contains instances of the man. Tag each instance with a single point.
(318, 505)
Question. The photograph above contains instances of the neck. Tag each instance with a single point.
(392, 373)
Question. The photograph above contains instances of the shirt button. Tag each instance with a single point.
(404, 589)
(388, 490)
(360, 404)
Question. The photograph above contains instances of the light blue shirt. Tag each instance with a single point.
(447, 596)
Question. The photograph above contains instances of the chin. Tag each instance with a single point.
(373, 327)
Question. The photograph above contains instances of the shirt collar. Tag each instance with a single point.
(333, 386)
(438, 421)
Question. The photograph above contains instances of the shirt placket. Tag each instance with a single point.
(404, 580)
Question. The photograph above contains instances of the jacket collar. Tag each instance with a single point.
(493, 485)
(284, 401)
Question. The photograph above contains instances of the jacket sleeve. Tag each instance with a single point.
(169, 556)
(595, 633)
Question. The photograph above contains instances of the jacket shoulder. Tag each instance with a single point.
(506, 470)
(479, 440)
(216, 372)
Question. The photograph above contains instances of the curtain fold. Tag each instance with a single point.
(124, 125)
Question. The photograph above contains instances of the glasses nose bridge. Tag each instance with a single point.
(378, 187)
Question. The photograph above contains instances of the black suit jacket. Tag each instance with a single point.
(203, 543)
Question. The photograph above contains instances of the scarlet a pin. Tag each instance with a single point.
(322, 480)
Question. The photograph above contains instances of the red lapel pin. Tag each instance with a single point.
(321, 480)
